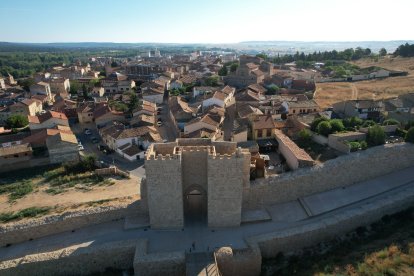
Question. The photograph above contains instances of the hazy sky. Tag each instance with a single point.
(212, 21)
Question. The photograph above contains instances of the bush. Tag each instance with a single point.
(25, 213)
(324, 128)
(337, 125)
(375, 136)
(21, 190)
(87, 163)
(364, 145)
(391, 122)
(368, 123)
(352, 122)
(355, 146)
(409, 137)
(315, 123)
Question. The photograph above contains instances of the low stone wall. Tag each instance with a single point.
(12, 233)
(246, 262)
(387, 129)
(320, 139)
(340, 172)
(74, 261)
(327, 228)
(165, 263)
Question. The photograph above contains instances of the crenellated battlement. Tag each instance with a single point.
(215, 150)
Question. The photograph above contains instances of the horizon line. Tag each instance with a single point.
(183, 43)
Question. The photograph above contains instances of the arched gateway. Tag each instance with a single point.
(195, 205)
(192, 181)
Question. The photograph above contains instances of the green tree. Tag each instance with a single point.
(263, 56)
(409, 137)
(375, 136)
(383, 52)
(133, 102)
(85, 91)
(273, 89)
(352, 122)
(315, 123)
(305, 137)
(234, 67)
(74, 87)
(324, 128)
(212, 80)
(337, 125)
(26, 83)
(223, 71)
(17, 121)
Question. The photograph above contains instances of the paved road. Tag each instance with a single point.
(111, 159)
(182, 239)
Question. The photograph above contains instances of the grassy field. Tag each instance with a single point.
(384, 248)
(328, 93)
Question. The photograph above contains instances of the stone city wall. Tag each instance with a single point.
(12, 233)
(73, 261)
(339, 172)
(325, 229)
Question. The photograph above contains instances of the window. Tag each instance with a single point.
(294, 111)
(268, 132)
(259, 133)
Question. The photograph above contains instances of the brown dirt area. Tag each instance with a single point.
(328, 93)
(123, 190)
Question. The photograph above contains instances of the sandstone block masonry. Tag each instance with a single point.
(340, 172)
(217, 170)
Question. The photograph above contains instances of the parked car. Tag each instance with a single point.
(81, 148)
(94, 140)
(159, 123)
(88, 131)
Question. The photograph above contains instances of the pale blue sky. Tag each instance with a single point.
(202, 21)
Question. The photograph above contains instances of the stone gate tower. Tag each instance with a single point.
(195, 177)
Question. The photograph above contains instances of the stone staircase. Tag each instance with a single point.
(201, 264)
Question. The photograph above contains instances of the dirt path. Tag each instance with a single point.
(121, 188)
(354, 91)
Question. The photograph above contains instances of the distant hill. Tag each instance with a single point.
(252, 47)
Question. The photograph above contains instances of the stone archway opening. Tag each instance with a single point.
(195, 206)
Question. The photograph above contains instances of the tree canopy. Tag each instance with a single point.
(405, 50)
(223, 71)
(17, 121)
(324, 128)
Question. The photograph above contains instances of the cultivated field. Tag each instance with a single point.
(328, 93)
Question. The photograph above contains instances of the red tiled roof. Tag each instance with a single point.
(46, 116)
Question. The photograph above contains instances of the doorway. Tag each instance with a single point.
(195, 206)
